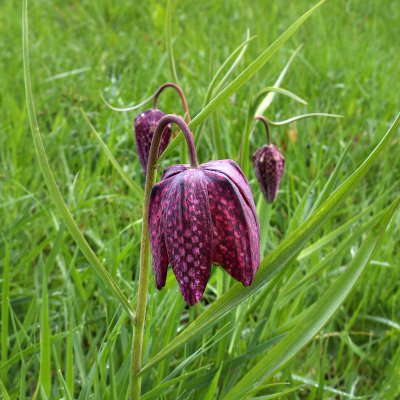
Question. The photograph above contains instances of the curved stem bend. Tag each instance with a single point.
(266, 124)
(181, 95)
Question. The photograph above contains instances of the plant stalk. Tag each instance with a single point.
(181, 95)
(138, 330)
(265, 122)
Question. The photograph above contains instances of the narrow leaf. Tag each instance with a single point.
(168, 41)
(233, 58)
(303, 116)
(45, 366)
(270, 96)
(136, 189)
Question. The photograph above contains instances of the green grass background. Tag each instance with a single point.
(349, 65)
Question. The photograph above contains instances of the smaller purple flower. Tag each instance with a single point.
(269, 164)
(199, 216)
(145, 126)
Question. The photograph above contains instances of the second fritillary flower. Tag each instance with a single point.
(269, 164)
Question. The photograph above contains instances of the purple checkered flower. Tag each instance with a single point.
(268, 165)
(199, 216)
(145, 126)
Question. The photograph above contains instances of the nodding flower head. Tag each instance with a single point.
(199, 216)
(146, 123)
(268, 165)
(145, 126)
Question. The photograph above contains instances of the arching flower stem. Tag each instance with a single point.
(266, 124)
(181, 95)
(138, 330)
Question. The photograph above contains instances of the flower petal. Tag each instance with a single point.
(188, 233)
(236, 175)
(157, 242)
(236, 232)
(173, 170)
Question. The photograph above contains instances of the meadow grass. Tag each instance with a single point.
(63, 334)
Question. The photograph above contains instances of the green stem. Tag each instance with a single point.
(138, 330)
(265, 122)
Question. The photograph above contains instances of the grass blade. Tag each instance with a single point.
(243, 77)
(213, 388)
(51, 183)
(5, 293)
(331, 182)
(238, 53)
(317, 315)
(45, 351)
(270, 96)
(280, 257)
(303, 116)
(168, 41)
(136, 189)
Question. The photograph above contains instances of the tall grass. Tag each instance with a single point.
(321, 318)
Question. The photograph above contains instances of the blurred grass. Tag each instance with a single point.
(348, 65)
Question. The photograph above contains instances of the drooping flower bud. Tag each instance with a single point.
(146, 123)
(145, 126)
(268, 165)
(199, 216)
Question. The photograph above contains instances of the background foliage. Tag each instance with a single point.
(72, 336)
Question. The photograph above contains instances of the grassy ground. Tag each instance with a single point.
(72, 337)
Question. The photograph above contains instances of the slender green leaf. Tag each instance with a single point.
(136, 189)
(52, 185)
(233, 58)
(5, 293)
(168, 41)
(212, 390)
(45, 352)
(4, 391)
(279, 258)
(70, 360)
(303, 116)
(331, 182)
(270, 96)
(163, 386)
(64, 385)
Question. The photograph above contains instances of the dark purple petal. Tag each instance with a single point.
(145, 126)
(268, 165)
(157, 241)
(236, 175)
(188, 232)
(173, 170)
(236, 232)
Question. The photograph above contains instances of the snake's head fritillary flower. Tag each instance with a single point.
(268, 165)
(202, 216)
(145, 126)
